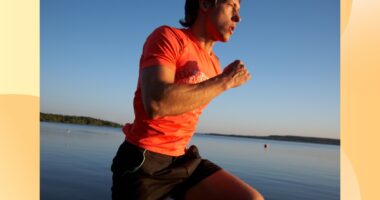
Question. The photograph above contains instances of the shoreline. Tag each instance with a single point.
(80, 120)
(289, 138)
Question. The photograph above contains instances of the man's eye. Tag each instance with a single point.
(232, 6)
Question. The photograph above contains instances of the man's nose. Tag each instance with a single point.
(236, 18)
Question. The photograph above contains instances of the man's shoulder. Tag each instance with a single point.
(170, 31)
(167, 28)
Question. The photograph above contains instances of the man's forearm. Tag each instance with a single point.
(174, 99)
(162, 97)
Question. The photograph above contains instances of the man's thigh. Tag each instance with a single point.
(222, 185)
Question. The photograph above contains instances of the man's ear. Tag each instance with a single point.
(204, 5)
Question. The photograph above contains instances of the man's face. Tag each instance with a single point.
(222, 20)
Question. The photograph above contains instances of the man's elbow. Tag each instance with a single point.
(153, 115)
(153, 110)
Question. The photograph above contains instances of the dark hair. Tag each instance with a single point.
(191, 11)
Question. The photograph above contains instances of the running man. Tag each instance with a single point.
(179, 75)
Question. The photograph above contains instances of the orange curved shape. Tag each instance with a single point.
(345, 12)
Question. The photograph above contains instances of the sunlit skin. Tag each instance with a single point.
(216, 23)
(224, 19)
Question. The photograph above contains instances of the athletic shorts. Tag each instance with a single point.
(139, 174)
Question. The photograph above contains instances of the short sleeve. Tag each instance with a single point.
(162, 48)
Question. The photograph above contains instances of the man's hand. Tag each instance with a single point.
(236, 74)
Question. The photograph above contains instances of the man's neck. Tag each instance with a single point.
(199, 32)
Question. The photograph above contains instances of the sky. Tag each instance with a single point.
(90, 51)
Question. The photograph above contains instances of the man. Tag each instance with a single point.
(179, 74)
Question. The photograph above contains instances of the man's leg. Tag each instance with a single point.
(222, 185)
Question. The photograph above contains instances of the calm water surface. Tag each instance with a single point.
(76, 159)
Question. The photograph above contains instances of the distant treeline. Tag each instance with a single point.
(44, 117)
(288, 138)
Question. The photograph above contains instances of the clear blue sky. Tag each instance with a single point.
(90, 51)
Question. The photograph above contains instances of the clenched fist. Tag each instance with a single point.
(236, 74)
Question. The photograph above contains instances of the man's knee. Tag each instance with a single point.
(254, 195)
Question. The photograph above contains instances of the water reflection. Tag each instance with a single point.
(75, 162)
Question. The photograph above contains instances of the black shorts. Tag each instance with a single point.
(144, 175)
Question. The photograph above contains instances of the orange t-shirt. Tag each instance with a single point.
(180, 51)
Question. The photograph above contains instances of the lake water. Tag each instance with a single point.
(76, 159)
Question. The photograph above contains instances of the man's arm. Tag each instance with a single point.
(161, 97)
